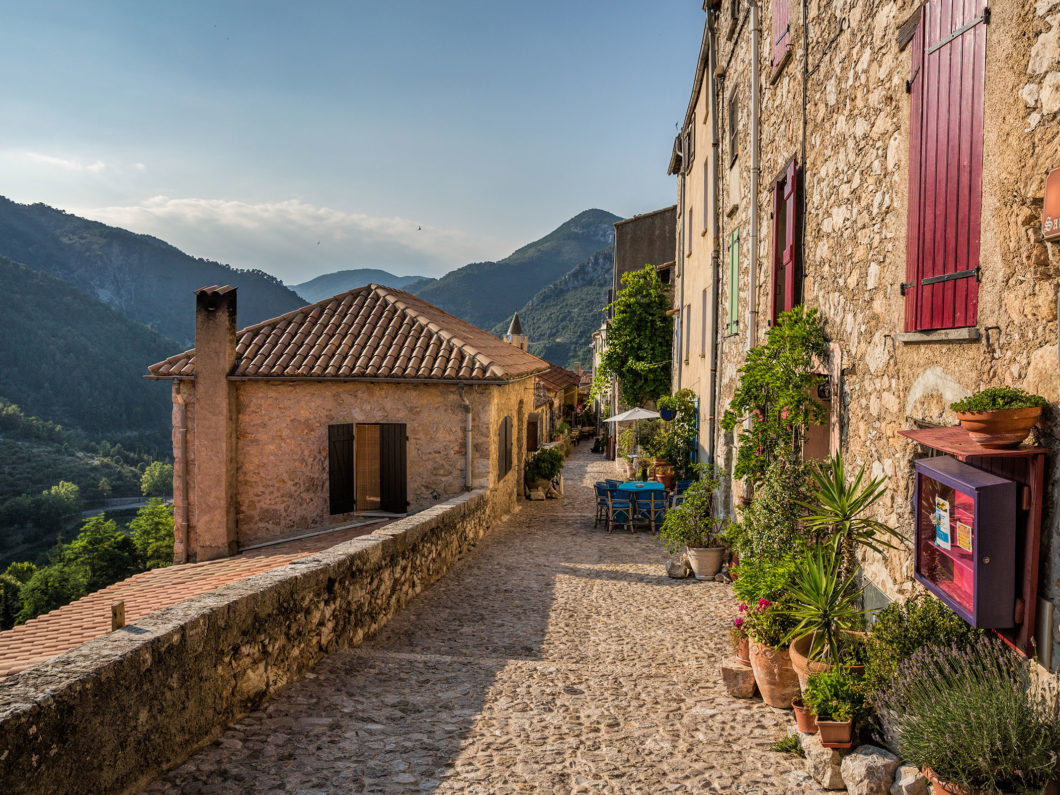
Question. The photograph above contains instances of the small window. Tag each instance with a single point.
(688, 330)
(504, 448)
(733, 129)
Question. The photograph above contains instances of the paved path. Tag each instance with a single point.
(554, 658)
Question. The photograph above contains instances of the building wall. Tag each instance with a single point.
(645, 239)
(856, 200)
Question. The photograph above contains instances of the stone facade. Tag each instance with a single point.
(839, 107)
(113, 713)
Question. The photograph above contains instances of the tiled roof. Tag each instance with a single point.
(372, 332)
(69, 626)
(557, 378)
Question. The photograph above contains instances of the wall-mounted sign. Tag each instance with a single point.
(1051, 211)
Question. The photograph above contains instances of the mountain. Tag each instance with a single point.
(484, 293)
(340, 281)
(560, 320)
(142, 277)
(70, 359)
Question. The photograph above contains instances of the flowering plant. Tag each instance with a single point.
(738, 630)
(768, 623)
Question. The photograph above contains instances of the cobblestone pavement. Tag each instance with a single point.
(553, 658)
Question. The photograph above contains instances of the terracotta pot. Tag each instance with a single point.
(804, 717)
(947, 787)
(774, 675)
(836, 733)
(705, 561)
(803, 666)
(743, 651)
(999, 429)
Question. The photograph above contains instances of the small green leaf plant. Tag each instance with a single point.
(999, 397)
(836, 695)
(545, 464)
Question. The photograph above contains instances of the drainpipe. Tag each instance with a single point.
(715, 233)
(752, 303)
(467, 437)
(679, 263)
(180, 471)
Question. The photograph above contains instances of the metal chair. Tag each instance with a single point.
(619, 510)
(650, 509)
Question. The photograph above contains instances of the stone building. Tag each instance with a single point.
(883, 161)
(371, 402)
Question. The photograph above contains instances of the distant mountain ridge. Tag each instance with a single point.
(143, 277)
(337, 282)
(484, 293)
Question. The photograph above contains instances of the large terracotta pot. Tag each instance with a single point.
(999, 429)
(774, 675)
(939, 786)
(799, 651)
(705, 561)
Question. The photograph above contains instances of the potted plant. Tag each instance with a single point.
(999, 417)
(767, 625)
(837, 698)
(824, 605)
(738, 638)
(804, 717)
(694, 527)
(543, 467)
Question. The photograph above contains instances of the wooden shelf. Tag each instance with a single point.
(956, 554)
(955, 441)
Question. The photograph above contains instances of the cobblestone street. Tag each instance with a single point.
(553, 658)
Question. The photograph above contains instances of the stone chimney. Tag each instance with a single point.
(515, 334)
(214, 486)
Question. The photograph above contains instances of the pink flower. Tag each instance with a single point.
(738, 621)
(763, 604)
(742, 608)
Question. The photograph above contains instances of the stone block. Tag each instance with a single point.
(536, 494)
(869, 770)
(739, 680)
(908, 780)
(678, 567)
(823, 763)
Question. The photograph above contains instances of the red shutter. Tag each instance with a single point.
(777, 305)
(781, 35)
(916, 186)
(946, 159)
(790, 228)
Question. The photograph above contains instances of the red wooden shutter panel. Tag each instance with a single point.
(946, 164)
(778, 268)
(790, 228)
(781, 35)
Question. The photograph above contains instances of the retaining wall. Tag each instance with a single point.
(113, 713)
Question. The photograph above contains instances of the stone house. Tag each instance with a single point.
(372, 402)
(883, 161)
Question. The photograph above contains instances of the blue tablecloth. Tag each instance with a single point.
(641, 485)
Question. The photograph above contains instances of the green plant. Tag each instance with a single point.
(823, 602)
(639, 338)
(776, 394)
(841, 507)
(770, 527)
(788, 744)
(836, 694)
(764, 579)
(999, 397)
(563, 428)
(677, 438)
(973, 716)
(545, 464)
(694, 523)
(768, 623)
(903, 627)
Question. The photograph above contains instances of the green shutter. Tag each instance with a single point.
(734, 279)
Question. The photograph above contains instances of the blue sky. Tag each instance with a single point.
(308, 137)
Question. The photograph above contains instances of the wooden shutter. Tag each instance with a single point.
(531, 435)
(791, 228)
(945, 166)
(504, 448)
(734, 280)
(393, 479)
(781, 32)
(340, 468)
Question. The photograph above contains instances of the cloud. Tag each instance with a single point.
(294, 240)
(71, 165)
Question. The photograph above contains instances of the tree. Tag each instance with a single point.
(103, 487)
(10, 601)
(53, 504)
(103, 552)
(640, 338)
(20, 571)
(50, 587)
(157, 480)
(152, 533)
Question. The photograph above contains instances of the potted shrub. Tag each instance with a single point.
(837, 699)
(738, 638)
(543, 467)
(692, 526)
(824, 605)
(972, 718)
(1000, 416)
(767, 625)
(804, 717)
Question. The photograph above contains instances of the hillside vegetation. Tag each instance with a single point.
(140, 276)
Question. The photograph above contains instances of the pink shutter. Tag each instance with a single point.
(790, 228)
(914, 234)
(778, 288)
(950, 163)
(781, 36)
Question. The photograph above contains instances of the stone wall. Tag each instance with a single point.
(111, 714)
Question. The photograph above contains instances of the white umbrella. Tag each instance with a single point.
(632, 415)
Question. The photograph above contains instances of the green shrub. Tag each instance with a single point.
(545, 464)
(768, 623)
(972, 715)
(771, 525)
(836, 694)
(694, 523)
(903, 627)
(764, 579)
(999, 397)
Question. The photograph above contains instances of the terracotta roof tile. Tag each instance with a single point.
(557, 378)
(370, 332)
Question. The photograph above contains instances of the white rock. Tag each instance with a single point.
(908, 780)
(869, 770)
(1030, 94)
(822, 763)
(1050, 93)
(1045, 54)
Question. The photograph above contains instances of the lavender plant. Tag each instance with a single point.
(971, 715)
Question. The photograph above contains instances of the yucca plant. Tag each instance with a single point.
(823, 602)
(842, 507)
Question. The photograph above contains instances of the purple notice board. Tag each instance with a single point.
(966, 540)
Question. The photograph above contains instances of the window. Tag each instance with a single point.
(945, 167)
(504, 448)
(734, 280)
(703, 326)
(706, 194)
(367, 468)
(688, 232)
(781, 34)
(688, 330)
(690, 144)
(786, 275)
(733, 129)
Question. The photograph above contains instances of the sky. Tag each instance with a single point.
(303, 138)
